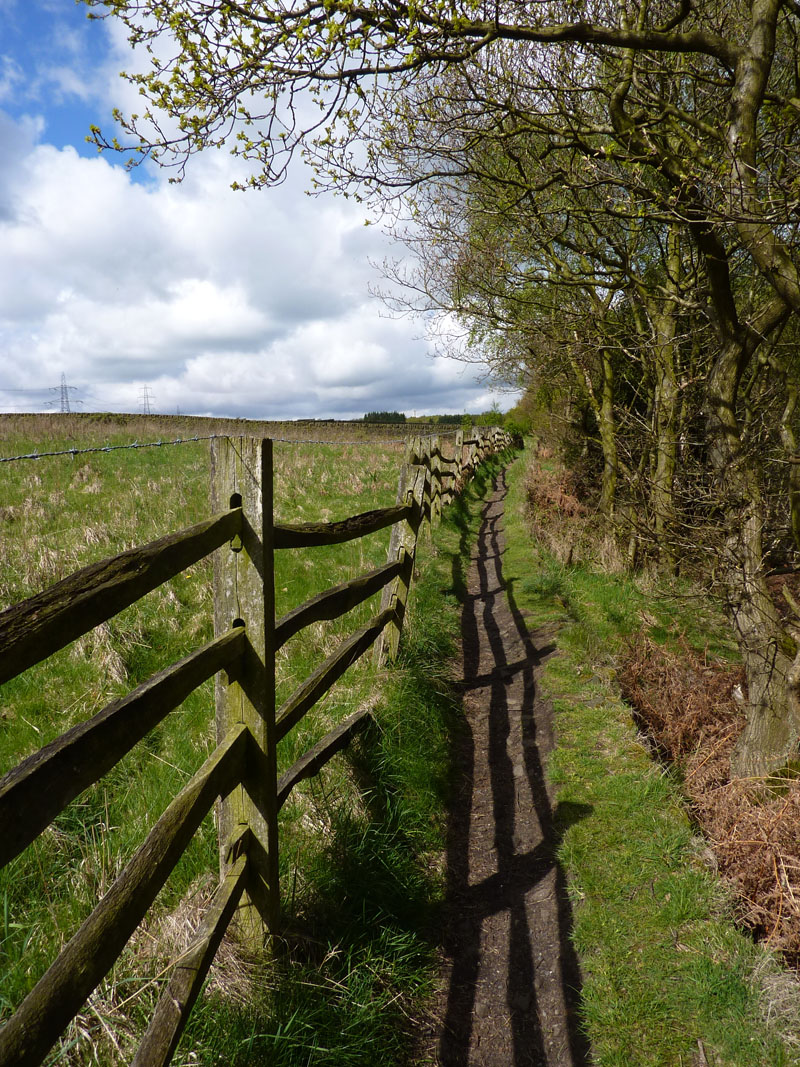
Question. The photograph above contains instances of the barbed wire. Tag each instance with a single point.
(358, 441)
(337, 441)
(109, 448)
(213, 437)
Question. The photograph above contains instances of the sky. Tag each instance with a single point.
(136, 293)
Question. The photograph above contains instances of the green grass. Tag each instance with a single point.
(361, 861)
(664, 965)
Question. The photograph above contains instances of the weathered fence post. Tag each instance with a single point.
(448, 479)
(403, 544)
(458, 456)
(436, 480)
(396, 544)
(425, 461)
(469, 462)
(244, 594)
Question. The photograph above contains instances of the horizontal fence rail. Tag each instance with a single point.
(311, 762)
(335, 601)
(320, 681)
(163, 1034)
(36, 628)
(240, 777)
(316, 534)
(89, 955)
(39, 788)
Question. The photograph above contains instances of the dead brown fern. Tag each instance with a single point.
(686, 705)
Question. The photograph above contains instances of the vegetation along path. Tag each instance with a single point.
(510, 988)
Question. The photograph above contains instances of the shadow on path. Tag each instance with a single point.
(514, 979)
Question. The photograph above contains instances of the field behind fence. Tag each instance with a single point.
(84, 849)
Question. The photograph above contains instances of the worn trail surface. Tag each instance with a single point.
(510, 982)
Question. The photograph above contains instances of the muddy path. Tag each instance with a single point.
(510, 981)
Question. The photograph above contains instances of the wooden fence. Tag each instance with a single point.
(240, 776)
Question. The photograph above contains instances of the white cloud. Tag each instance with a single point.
(220, 302)
(11, 77)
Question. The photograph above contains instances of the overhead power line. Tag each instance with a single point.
(63, 391)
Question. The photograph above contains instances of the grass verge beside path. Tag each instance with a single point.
(668, 979)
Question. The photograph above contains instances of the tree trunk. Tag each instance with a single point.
(665, 425)
(603, 408)
(773, 726)
(789, 442)
(608, 436)
(663, 317)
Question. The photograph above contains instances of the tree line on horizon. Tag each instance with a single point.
(492, 417)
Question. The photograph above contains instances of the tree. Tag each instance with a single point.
(700, 179)
(384, 416)
(547, 257)
(691, 111)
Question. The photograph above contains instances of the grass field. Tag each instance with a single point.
(668, 979)
(60, 513)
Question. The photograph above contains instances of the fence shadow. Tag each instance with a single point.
(515, 981)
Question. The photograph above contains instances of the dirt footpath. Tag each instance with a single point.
(511, 980)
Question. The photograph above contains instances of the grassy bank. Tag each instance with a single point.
(668, 978)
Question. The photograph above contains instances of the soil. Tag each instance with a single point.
(510, 979)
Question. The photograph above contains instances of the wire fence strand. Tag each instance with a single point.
(108, 448)
(214, 437)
